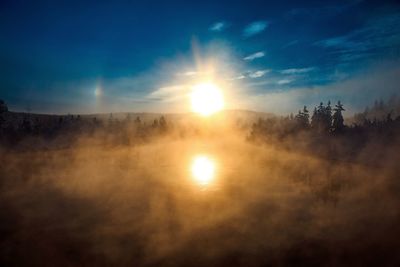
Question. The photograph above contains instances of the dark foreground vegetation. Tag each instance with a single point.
(303, 190)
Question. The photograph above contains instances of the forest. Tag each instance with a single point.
(309, 189)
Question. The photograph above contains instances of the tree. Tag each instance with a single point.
(163, 124)
(321, 119)
(327, 118)
(306, 115)
(318, 118)
(302, 118)
(128, 118)
(138, 121)
(25, 127)
(338, 117)
(155, 123)
(2, 122)
(328, 112)
(389, 117)
(321, 108)
(314, 119)
(3, 107)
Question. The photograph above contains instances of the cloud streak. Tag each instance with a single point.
(376, 37)
(297, 70)
(256, 55)
(258, 73)
(284, 81)
(255, 28)
(218, 26)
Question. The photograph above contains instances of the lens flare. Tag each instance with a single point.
(203, 169)
(206, 99)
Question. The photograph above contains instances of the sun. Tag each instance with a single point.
(206, 99)
(203, 169)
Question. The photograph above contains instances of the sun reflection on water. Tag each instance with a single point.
(203, 169)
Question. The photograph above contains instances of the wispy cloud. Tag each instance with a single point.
(284, 81)
(335, 42)
(239, 77)
(258, 73)
(376, 37)
(251, 74)
(218, 26)
(255, 28)
(297, 70)
(254, 56)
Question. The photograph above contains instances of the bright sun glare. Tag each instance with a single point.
(203, 169)
(206, 99)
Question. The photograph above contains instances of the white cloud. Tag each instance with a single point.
(255, 28)
(284, 81)
(251, 57)
(239, 77)
(297, 71)
(218, 26)
(258, 73)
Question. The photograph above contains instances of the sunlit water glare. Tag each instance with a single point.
(203, 170)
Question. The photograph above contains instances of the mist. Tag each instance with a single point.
(86, 198)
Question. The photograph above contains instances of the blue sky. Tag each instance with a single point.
(59, 57)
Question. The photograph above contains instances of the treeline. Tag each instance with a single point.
(325, 133)
(379, 111)
(304, 130)
(324, 119)
(53, 131)
(327, 119)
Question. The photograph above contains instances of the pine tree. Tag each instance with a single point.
(302, 118)
(128, 118)
(314, 119)
(321, 111)
(327, 118)
(338, 117)
(3, 107)
(321, 119)
(138, 121)
(163, 124)
(25, 127)
(110, 119)
(2, 121)
(306, 115)
(155, 123)
(321, 108)
(329, 112)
